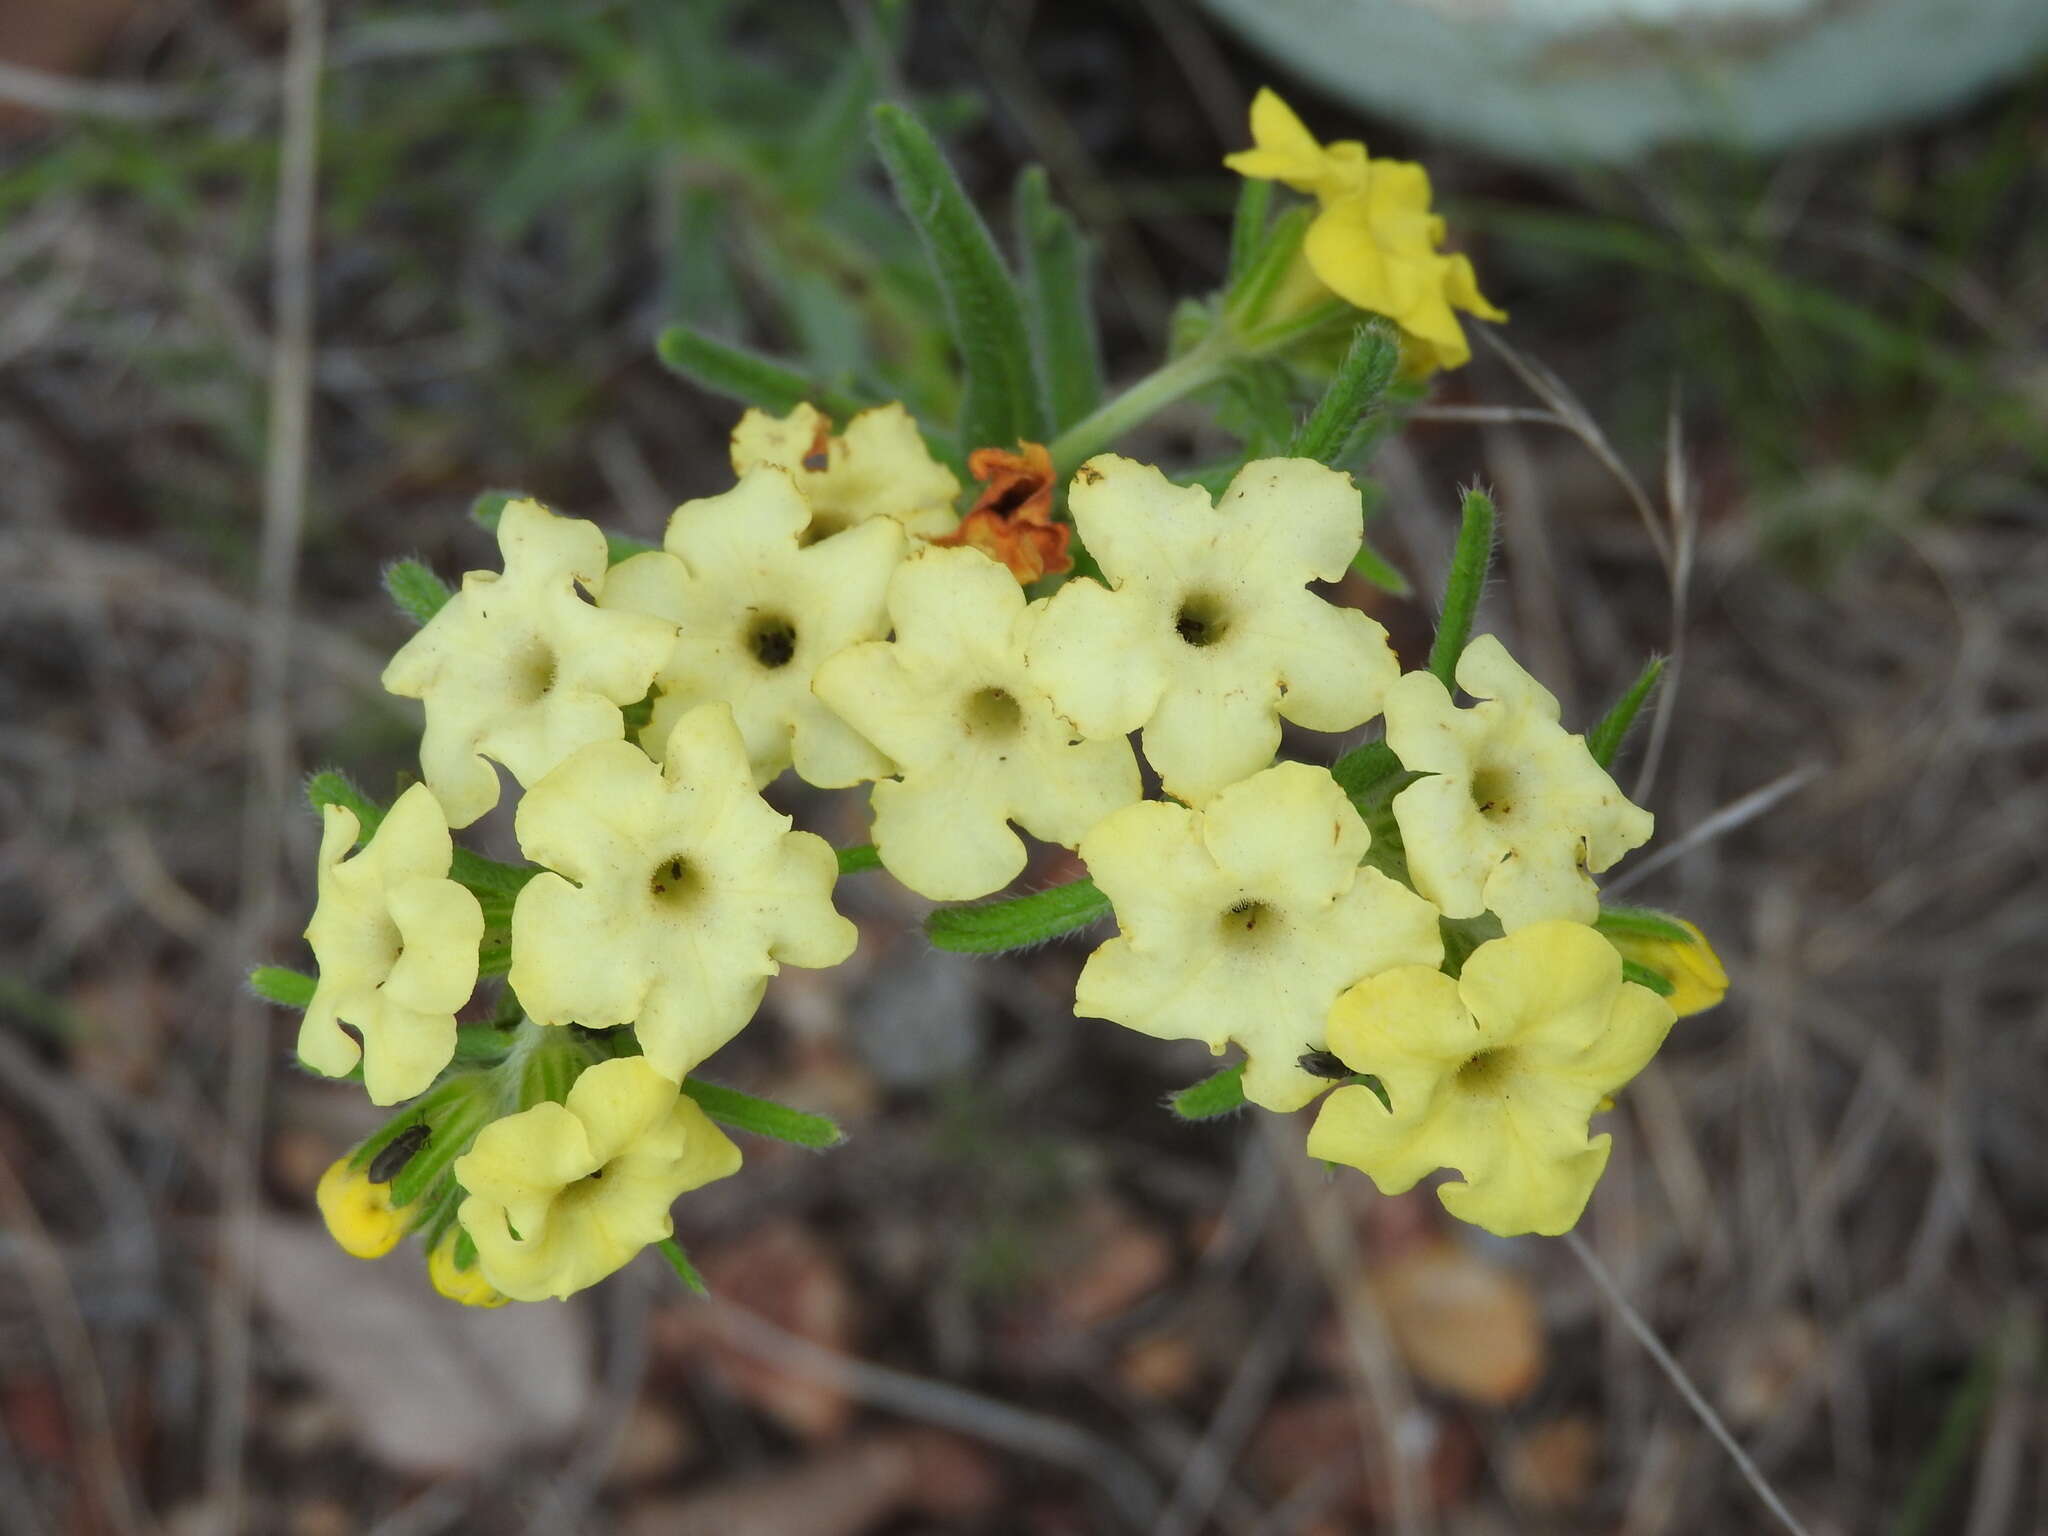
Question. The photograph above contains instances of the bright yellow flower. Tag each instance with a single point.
(1515, 811)
(1494, 1074)
(878, 467)
(1693, 969)
(359, 1214)
(1205, 635)
(467, 1286)
(683, 892)
(1374, 240)
(1244, 921)
(396, 943)
(518, 668)
(758, 610)
(974, 738)
(562, 1195)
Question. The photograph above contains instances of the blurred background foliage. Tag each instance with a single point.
(516, 199)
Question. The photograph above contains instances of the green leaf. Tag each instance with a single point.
(763, 1117)
(1605, 740)
(1469, 564)
(481, 1045)
(685, 1270)
(1359, 772)
(732, 371)
(999, 926)
(860, 857)
(1057, 305)
(822, 150)
(1212, 1096)
(1248, 226)
(999, 404)
(1355, 391)
(1371, 776)
(1643, 976)
(1641, 923)
(417, 591)
(1379, 1089)
(1244, 302)
(1374, 567)
(278, 984)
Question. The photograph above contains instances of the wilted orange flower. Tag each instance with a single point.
(1011, 520)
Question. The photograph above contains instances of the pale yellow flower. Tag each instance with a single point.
(359, 1215)
(561, 1195)
(758, 610)
(1245, 920)
(1698, 978)
(1494, 1074)
(974, 737)
(878, 467)
(683, 891)
(518, 668)
(1515, 811)
(396, 943)
(467, 1286)
(1374, 239)
(1205, 635)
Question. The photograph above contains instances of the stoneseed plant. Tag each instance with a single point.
(1389, 919)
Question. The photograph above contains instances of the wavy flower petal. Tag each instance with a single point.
(1244, 921)
(1495, 1074)
(675, 892)
(518, 668)
(1203, 634)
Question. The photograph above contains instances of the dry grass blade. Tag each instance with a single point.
(270, 738)
(1738, 814)
(1570, 414)
(1127, 1485)
(1668, 1363)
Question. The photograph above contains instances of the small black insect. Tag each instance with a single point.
(392, 1157)
(1322, 1064)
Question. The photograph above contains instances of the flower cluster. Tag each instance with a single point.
(1414, 935)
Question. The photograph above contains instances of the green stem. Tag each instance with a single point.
(1174, 380)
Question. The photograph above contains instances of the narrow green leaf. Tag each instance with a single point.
(1055, 261)
(332, 787)
(1469, 564)
(732, 371)
(763, 1117)
(1019, 923)
(417, 591)
(822, 149)
(481, 1045)
(1248, 226)
(1643, 976)
(1605, 740)
(1245, 300)
(1375, 568)
(1212, 1096)
(283, 986)
(1641, 923)
(1361, 770)
(465, 1249)
(685, 1270)
(1379, 1089)
(999, 404)
(1355, 391)
(861, 856)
